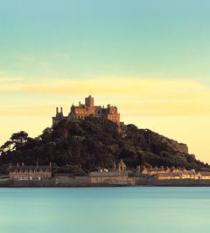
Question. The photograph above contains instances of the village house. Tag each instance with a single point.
(117, 176)
(115, 171)
(205, 175)
(30, 173)
(154, 170)
(179, 175)
(175, 173)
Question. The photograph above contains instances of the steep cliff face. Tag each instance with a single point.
(81, 146)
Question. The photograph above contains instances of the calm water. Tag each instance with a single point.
(100, 210)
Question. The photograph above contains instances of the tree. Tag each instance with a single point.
(92, 143)
(19, 137)
(6, 147)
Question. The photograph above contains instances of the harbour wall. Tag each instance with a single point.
(88, 181)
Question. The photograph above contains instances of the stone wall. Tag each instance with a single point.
(87, 181)
(153, 181)
(72, 181)
(112, 180)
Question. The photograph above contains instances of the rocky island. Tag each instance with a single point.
(92, 147)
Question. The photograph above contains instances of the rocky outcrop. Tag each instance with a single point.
(174, 145)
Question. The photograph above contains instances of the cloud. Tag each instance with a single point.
(147, 97)
(9, 80)
(26, 110)
(175, 108)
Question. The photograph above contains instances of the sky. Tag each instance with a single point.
(149, 57)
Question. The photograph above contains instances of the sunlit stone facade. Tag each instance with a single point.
(89, 109)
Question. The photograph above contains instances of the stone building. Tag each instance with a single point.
(30, 173)
(116, 171)
(175, 173)
(180, 175)
(88, 109)
(154, 170)
(117, 176)
(205, 175)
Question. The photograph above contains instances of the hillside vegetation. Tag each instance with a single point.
(81, 146)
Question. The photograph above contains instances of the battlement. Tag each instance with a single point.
(82, 111)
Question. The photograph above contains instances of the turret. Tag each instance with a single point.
(89, 101)
(59, 113)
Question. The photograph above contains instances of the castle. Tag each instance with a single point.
(88, 109)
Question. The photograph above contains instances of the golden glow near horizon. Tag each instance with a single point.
(177, 108)
(151, 60)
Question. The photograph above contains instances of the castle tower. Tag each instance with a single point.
(58, 114)
(89, 101)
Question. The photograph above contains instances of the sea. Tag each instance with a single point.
(105, 210)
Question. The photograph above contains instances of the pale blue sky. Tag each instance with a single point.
(90, 38)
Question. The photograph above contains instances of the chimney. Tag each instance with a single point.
(56, 110)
